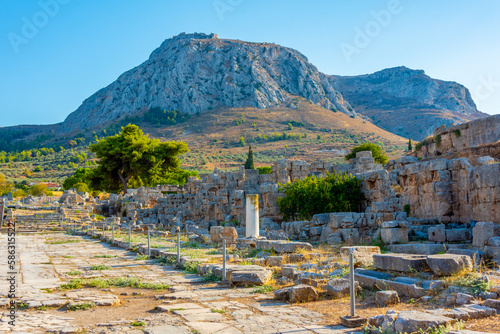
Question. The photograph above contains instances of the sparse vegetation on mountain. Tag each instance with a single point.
(377, 152)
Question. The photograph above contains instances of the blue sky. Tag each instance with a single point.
(56, 53)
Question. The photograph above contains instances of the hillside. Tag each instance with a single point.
(307, 132)
(407, 102)
(199, 74)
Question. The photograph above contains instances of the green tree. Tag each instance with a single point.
(242, 142)
(410, 145)
(38, 190)
(130, 157)
(81, 175)
(377, 152)
(5, 186)
(249, 162)
(334, 193)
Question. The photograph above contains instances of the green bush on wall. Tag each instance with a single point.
(334, 193)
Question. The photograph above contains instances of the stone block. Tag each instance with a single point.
(339, 288)
(437, 233)
(481, 233)
(394, 235)
(361, 254)
(387, 298)
(297, 294)
(400, 262)
(459, 234)
(413, 321)
(449, 264)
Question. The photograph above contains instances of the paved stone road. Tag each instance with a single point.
(187, 307)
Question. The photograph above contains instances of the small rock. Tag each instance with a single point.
(339, 288)
(463, 298)
(386, 298)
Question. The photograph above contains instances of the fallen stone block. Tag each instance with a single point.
(413, 321)
(339, 288)
(250, 278)
(297, 294)
(400, 262)
(463, 298)
(492, 303)
(387, 298)
(449, 264)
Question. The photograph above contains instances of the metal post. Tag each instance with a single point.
(103, 230)
(178, 245)
(224, 260)
(112, 234)
(149, 246)
(3, 210)
(351, 283)
(129, 235)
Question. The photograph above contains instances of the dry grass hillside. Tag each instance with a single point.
(215, 137)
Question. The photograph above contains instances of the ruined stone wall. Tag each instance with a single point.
(452, 190)
(220, 196)
(483, 131)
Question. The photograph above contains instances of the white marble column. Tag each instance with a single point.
(252, 213)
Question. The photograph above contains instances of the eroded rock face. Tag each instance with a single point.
(197, 72)
(449, 264)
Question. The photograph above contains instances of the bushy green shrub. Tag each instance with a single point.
(377, 152)
(334, 193)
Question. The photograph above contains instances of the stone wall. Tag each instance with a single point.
(475, 134)
(451, 190)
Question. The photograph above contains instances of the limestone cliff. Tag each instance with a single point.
(198, 72)
(407, 102)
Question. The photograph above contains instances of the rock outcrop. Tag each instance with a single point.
(387, 96)
(196, 73)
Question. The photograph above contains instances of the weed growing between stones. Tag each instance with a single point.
(191, 267)
(100, 267)
(121, 282)
(74, 273)
(59, 242)
(218, 311)
(105, 256)
(211, 277)
(82, 306)
(141, 257)
(473, 282)
(137, 323)
(268, 288)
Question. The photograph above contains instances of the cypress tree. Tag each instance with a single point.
(249, 162)
(410, 146)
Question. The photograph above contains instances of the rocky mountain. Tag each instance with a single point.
(407, 102)
(197, 73)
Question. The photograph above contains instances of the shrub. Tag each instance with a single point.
(334, 193)
(377, 152)
(457, 133)
(437, 140)
(407, 209)
(264, 170)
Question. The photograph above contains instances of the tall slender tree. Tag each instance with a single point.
(249, 162)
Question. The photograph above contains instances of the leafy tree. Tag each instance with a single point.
(83, 187)
(5, 186)
(334, 193)
(81, 175)
(38, 190)
(130, 157)
(377, 152)
(249, 162)
(410, 145)
(37, 169)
